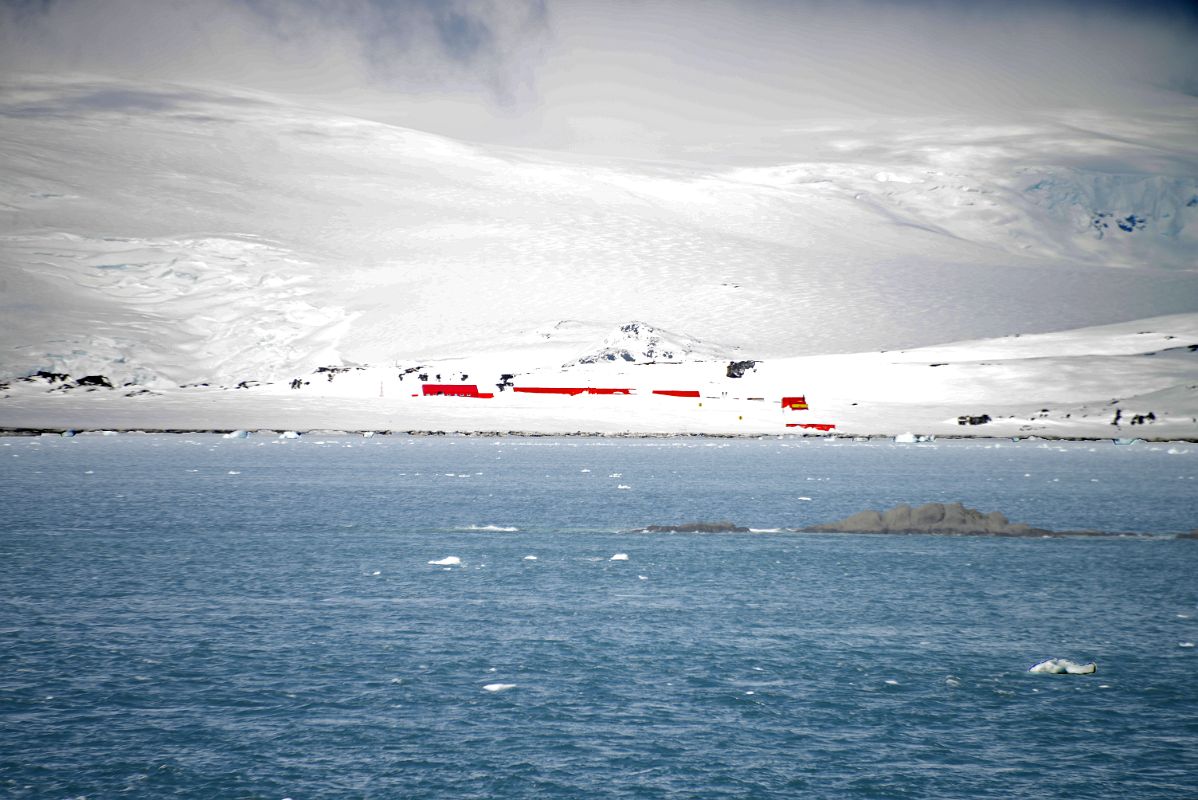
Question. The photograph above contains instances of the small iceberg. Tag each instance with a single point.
(289, 435)
(530, 558)
(448, 561)
(619, 557)
(1063, 666)
(238, 434)
(499, 687)
(905, 438)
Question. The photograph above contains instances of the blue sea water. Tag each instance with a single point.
(187, 616)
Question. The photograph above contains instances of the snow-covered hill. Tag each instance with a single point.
(1129, 380)
(165, 235)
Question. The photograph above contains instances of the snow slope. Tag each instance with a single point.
(165, 235)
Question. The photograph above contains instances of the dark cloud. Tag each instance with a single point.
(602, 74)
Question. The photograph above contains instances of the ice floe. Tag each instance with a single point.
(448, 561)
(1063, 666)
(499, 687)
(619, 557)
(239, 434)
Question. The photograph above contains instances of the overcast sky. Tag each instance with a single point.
(596, 74)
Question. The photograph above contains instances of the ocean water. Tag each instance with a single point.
(187, 616)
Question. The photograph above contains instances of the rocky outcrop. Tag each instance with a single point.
(737, 369)
(943, 518)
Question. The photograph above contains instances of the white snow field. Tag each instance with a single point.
(184, 240)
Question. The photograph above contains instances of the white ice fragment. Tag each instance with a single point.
(623, 486)
(1185, 644)
(499, 687)
(616, 475)
(376, 573)
(584, 470)
(234, 472)
(1063, 666)
(238, 434)
(448, 561)
(905, 438)
(891, 683)
(89, 472)
(619, 557)
(643, 577)
(530, 558)
(289, 435)
(805, 499)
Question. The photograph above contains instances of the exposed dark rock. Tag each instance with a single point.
(943, 518)
(737, 369)
(952, 519)
(696, 527)
(1190, 535)
(968, 420)
(49, 377)
(94, 380)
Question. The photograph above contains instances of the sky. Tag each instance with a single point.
(628, 77)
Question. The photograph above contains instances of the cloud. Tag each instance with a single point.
(658, 75)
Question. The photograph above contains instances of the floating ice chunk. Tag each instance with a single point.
(619, 557)
(448, 561)
(643, 577)
(1185, 644)
(68, 433)
(494, 528)
(289, 435)
(623, 486)
(616, 475)
(905, 438)
(367, 434)
(234, 472)
(891, 683)
(765, 530)
(89, 472)
(1063, 666)
(584, 470)
(805, 499)
(530, 558)
(238, 434)
(499, 687)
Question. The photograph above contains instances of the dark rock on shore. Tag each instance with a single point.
(696, 527)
